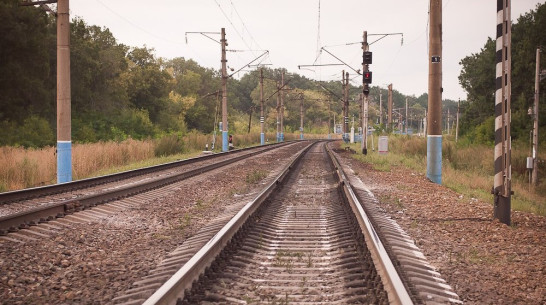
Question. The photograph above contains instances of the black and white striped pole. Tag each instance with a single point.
(262, 135)
(502, 189)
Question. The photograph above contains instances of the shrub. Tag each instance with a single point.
(36, 132)
(169, 145)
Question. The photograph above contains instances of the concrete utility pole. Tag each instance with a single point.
(366, 61)
(329, 119)
(301, 116)
(457, 126)
(434, 138)
(278, 113)
(534, 172)
(448, 115)
(347, 104)
(407, 118)
(502, 188)
(64, 131)
(223, 42)
(344, 92)
(389, 108)
(425, 122)
(380, 108)
(262, 119)
(282, 107)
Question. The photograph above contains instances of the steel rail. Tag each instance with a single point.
(176, 286)
(392, 282)
(22, 220)
(26, 194)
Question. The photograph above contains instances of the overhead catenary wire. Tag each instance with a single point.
(244, 25)
(137, 26)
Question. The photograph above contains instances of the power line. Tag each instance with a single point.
(234, 28)
(137, 26)
(244, 25)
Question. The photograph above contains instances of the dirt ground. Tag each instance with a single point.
(485, 261)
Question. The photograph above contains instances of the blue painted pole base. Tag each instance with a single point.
(301, 136)
(64, 161)
(281, 137)
(262, 138)
(225, 146)
(434, 158)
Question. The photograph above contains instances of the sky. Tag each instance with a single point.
(294, 32)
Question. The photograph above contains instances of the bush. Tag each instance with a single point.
(36, 132)
(169, 145)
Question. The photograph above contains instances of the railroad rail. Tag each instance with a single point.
(304, 239)
(30, 217)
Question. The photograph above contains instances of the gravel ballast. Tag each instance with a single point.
(485, 261)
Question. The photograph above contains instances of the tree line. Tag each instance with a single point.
(121, 91)
(477, 77)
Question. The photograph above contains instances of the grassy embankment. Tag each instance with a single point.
(24, 168)
(465, 169)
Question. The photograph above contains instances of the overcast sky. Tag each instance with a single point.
(289, 29)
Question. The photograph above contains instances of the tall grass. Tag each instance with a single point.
(23, 168)
(466, 169)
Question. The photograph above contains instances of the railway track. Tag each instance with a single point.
(26, 208)
(302, 247)
(298, 242)
(306, 239)
(310, 236)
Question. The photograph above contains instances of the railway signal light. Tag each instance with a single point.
(367, 77)
(367, 58)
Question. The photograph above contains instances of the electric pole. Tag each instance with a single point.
(282, 106)
(64, 127)
(329, 119)
(407, 120)
(380, 108)
(534, 172)
(434, 139)
(457, 126)
(301, 116)
(425, 124)
(262, 119)
(223, 42)
(448, 115)
(278, 113)
(344, 91)
(366, 80)
(502, 188)
(389, 108)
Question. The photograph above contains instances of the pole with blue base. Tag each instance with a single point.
(434, 158)
(225, 146)
(262, 120)
(434, 124)
(64, 161)
(64, 129)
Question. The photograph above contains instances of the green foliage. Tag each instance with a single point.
(121, 92)
(169, 145)
(484, 133)
(27, 57)
(36, 132)
(478, 79)
(33, 132)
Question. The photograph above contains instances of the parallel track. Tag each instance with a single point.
(24, 219)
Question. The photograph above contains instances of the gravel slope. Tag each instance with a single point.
(486, 262)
